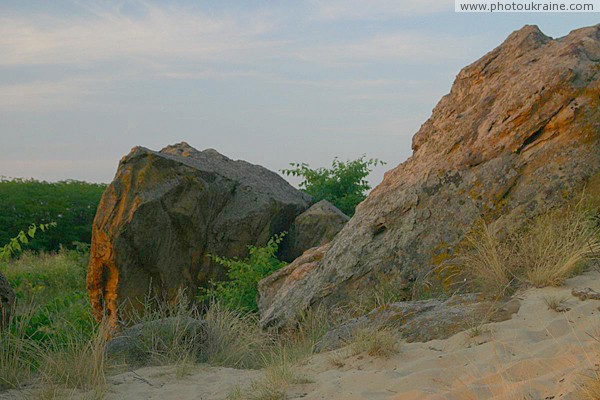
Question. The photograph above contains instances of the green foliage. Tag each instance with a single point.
(72, 204)
(344, 184)
(14, 246)
(50, 290)
(240, 290)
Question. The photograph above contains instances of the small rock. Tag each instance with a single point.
(133, 344)
(586, 294)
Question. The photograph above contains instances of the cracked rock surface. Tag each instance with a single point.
(518, 134)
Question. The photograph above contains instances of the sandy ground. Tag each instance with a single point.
(538, 354)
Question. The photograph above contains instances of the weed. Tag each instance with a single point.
(555, 303)
(381, 343)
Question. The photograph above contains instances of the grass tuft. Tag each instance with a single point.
(380, 343)
(554, 247)
(17, 352)
(78, 363)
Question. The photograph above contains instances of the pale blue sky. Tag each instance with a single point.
(271, 82)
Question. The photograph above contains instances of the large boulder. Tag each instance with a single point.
(313, 228)
(166, 212)
(7, 300)
(274, 287)
(518, 134)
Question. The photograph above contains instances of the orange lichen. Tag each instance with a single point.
(103, 278)
(103, 275)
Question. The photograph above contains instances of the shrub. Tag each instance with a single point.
(344, 184)
(241, 289)
(72, 204)
(55, 284)
(376, 342)
(15, 245)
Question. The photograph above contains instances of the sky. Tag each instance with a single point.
(270, 82)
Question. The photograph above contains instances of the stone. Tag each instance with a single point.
(274, 287)
(585, 294)
(167, 212)
(7, 300)
(134, 344)
(313, 228)
(422, 320)
(518, 134)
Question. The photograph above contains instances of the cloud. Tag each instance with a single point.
(101, 44)
(43, 94)
(332, 10)
(153, 36)
(399, 47)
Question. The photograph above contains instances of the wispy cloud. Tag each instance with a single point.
(43, 94)
(108, 33)
(403, 47)
(102, 44)
(376, 9)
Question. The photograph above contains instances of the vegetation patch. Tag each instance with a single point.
(71, 204)
(344, 184)
(552, 248)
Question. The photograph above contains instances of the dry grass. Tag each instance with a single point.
(281, 354)
(556, 245)
(590, 389)
(170, 332)
(336, 360)
(278, 376)
(380, 343)
(381, 294)
(79, 363)
(233, 339)
(17, 353)
(551, 249)
(485, 259)
(555, 303)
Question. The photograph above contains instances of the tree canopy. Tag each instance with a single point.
(71, 204)
(344, 184)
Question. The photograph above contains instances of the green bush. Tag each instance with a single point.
(15, 245)
(240, 290)
(344, 184)
(50, 290)
(71, 204)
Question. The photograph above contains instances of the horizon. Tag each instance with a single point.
(308, 81)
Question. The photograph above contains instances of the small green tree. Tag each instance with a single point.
(239, 292)
(344, 184)
(15, 244)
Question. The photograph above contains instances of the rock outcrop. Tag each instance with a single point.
(7, 300)
(313, 228)
(518, 134)
(166, 212)
(423, 320)
(275, 287)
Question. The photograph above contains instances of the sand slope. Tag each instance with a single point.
(538, 354)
